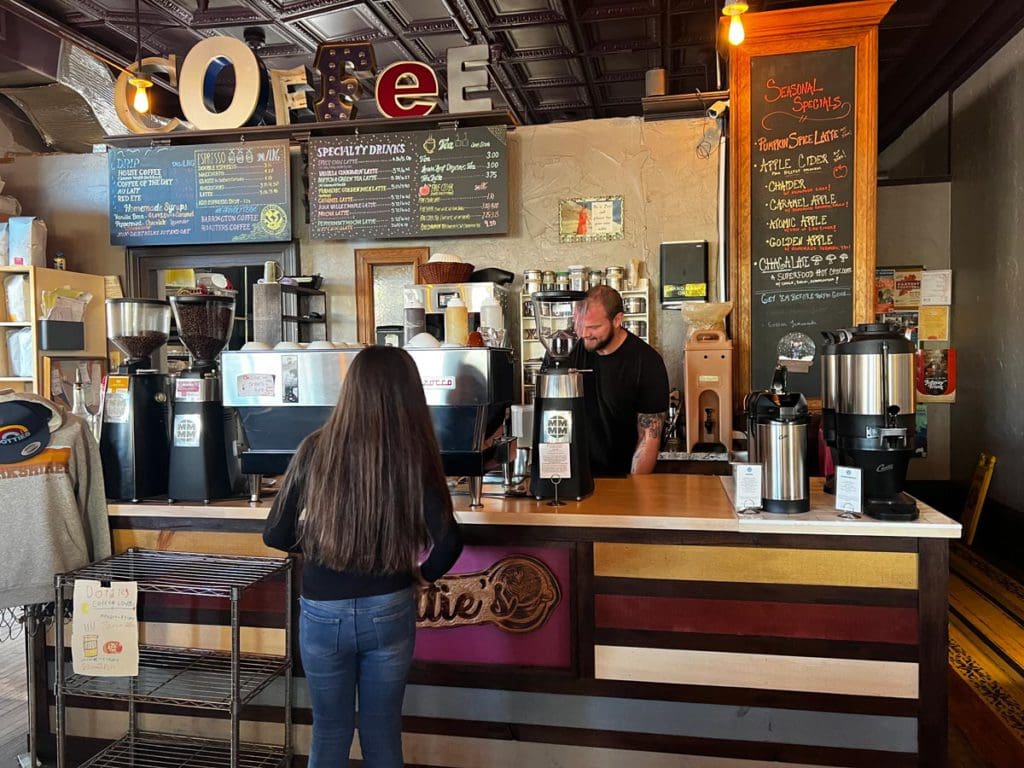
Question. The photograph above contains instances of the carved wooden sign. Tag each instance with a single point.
(516, 594)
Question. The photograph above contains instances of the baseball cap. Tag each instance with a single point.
(24, 430)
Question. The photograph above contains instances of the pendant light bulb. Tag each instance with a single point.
(736, 32)
(141, 100)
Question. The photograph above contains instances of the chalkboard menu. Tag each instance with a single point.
(210, 193)
(435, 183)
(802, 114)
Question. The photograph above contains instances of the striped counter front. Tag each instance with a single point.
(644, 627)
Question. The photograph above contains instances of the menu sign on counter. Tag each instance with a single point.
(211, 193)
(437, 183)
(802, 113)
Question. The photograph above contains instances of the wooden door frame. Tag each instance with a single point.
(368, 258)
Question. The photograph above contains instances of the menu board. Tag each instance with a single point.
(209, 193)
(437, 183)
(802, 114)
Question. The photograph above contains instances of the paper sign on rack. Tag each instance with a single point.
(848, 487)
(748, 486)
(105, 629)
(936, 287)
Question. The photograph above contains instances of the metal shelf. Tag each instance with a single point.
(153, 750)
(184, 677)
(181, 573)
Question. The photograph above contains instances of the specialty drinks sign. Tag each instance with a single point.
(432, 183)
(211, 193)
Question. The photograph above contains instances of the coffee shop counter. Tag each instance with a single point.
(647, 625)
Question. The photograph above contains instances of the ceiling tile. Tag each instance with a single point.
(356, 23)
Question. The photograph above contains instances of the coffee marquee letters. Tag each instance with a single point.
(403, 89)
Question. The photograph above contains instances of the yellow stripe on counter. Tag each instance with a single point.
(261, 640)
(759, 565)
(418, 748)
(204, 542)
(853, 677)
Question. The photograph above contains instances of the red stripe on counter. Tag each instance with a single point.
(765, 619)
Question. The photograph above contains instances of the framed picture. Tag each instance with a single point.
(59, 378)
(588, 219)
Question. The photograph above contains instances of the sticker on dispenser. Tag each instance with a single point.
(747, 490)
(104, 629)
(187, 429)
(188, 390)
(848, 489)
(289, 378)
(555, 461)
(255, 384)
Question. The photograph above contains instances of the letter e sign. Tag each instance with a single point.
(407, 89)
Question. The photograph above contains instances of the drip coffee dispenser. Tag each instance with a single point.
(561, 458)
(133, 435)
(199, 468)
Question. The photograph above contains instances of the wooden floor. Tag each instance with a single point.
(13, 702)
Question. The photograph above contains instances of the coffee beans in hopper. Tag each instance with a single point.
(141, 344)
(204, 328)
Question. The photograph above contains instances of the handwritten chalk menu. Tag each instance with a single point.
(802, 113)
(414, 184)
(210, 193)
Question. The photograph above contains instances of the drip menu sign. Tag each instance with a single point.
(211, 193)
(802, 113)
(414, 184)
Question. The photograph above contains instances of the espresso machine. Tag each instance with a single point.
(199, 468)
(133, 435)
(283, 395)
(777, 421)
(868, 402)
(561, 457)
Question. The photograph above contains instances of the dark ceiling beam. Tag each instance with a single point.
(286, 30)
(968, 33)
(568, 9)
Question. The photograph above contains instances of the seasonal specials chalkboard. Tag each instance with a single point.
(209, 193)
(802, 113)
(437, 183)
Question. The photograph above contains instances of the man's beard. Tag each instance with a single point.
(602, 343)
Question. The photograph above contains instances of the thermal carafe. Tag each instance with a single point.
(777, 439)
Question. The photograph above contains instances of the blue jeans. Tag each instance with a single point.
(364, 644)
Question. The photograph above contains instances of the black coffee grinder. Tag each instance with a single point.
(561, 458)
(133, 435)
(199, 441)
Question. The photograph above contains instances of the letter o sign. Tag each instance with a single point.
(198, 73)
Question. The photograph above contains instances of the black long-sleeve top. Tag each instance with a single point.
(322, 583)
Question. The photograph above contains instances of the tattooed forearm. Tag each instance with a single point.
(649, 427)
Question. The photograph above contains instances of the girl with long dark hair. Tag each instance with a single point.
(364, 497)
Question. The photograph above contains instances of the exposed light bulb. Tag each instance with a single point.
(736, 32)
(141, 100)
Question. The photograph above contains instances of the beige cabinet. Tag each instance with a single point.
(25, 290)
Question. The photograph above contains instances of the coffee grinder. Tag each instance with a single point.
(199, 447)
(561, 458)
(133, 435)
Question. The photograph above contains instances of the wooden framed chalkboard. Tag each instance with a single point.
(200, 194)
(803, 131)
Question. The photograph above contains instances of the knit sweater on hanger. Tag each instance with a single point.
(53, 513)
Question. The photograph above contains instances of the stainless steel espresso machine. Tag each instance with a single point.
(284, 395)
(199, 469)
(868, 401)
(561, 456)
(134, 436)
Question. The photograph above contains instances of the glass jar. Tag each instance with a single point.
(548, 280)
(533, 279)
(613, 277)
(634, 305)
(596, 277)
(636, 327)
(578, 277)
(562, 281)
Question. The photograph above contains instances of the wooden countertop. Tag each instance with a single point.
(648, 502)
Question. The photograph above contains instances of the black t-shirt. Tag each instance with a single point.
(629, 381)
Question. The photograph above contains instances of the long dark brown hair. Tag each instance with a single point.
(366, 471)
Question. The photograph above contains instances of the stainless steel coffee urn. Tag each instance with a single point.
(868, 401)
(777, 439)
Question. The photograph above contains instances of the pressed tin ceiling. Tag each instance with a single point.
(552, 60)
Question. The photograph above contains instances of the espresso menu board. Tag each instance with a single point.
(802, 114)
(415, 184)
(210, 193)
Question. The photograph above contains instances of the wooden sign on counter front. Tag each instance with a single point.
(803, 131)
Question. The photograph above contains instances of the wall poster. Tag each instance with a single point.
(590, 219)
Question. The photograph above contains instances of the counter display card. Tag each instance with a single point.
(802, 118)
(210, 193)
(437, 183)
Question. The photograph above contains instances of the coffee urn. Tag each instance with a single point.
(777, 438)
(868, 402)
